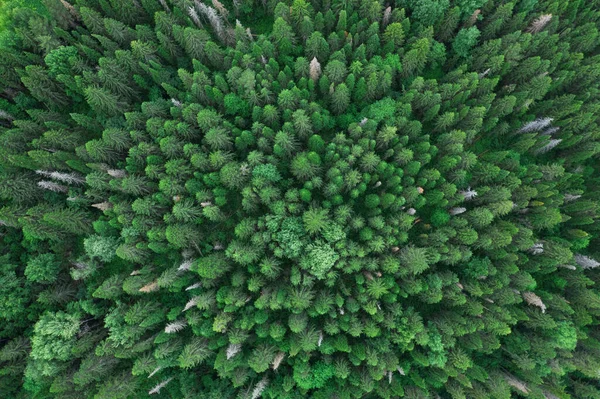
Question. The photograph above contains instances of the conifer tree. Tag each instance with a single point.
(252, 198)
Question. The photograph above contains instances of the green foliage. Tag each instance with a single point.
(372, 201)
(354, 199)
(315, 220)
(54, 337)
(313, 376)
(103, 248)
(394, 34)
(413, 260)
(465, 40)
(428, 12)
(340, 99)
(266, 172)
(319, 259)
(289, 237)
(58, 60)
(13, 291)
(235, 105)
(439, 217)
(43, 268)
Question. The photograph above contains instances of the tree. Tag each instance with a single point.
(299, 199)
(413, 260)
(54, 337)
(315, 69)
(103, 101)
(194, 353)
(319, 259)
(336, 71)
(315, 220)
(13, 291)
(415, 59)
(44, 268)
(317, 47)
(303, 167)
(261, 358)
(428, 12)
(465, 40)
(340, 98)
(42, 87)
(284, 36)
(394, 35)
(103, 248)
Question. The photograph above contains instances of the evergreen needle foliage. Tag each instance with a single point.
(299, 199)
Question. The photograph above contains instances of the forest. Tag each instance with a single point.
(285, 199)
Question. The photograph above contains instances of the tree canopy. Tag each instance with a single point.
(299, 198)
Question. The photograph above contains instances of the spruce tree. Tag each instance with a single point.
(277, 199)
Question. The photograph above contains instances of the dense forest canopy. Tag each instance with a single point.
(299, 199)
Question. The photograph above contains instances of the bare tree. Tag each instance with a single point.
(387, 15)
(532, 299)
(175, 326)
(586, 262)
(48, 185)
(315, 69)
(278, 359)
(259, 388)
(468, 194)
(539, 23)
(536, 125)
(232, 350)
(160, 386)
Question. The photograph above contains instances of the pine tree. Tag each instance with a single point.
(298, 199)
(340, 98)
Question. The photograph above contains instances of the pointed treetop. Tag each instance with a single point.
(315, 69)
